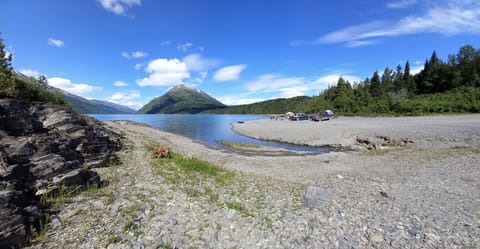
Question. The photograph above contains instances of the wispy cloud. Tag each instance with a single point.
(165, 72)
(134, 54)
(401, 4)
(119, 7)
(55, 42)
(294, 86)
(284, 86)
(30, 73)
(456, 17)
(120, 83)
(238, 99)
(128, 98)
(185, 47)
(69, 86)
(332, 79)
(165, 43)
(197, 62)
(229, 73)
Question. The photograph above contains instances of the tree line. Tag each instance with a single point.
(451, 86)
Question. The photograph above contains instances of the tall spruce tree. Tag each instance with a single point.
(7, 79)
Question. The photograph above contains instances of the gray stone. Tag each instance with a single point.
(316, 197)
(56, 221)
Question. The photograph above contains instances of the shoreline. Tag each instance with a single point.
(356, 133)
(414, 196)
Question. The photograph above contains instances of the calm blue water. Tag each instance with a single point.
(208, 129)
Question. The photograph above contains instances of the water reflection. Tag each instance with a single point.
(208, 129)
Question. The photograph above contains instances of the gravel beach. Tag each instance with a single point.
(408, 182)
(424, 132)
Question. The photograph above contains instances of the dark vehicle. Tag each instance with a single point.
(299, 116)
(327, 115)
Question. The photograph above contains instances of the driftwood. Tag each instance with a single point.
(161, 152)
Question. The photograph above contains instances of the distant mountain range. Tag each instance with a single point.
(92, 106)
(181, 99)
(80, 104)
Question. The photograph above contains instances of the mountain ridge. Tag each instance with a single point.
(78, 103)
(91, 106)
(181, 99)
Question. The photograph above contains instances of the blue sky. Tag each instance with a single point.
(238, 51)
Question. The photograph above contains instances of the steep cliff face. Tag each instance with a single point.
(43, 147)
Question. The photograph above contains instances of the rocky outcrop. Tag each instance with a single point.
(43, 147)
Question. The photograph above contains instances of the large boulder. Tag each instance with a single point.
(43, 147)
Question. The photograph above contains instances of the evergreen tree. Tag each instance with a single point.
(7, 79)
(387, 80)
(408, 80)
(375, 85)
(398, 78)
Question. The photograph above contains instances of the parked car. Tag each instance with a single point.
(326, 115)
(299, 116)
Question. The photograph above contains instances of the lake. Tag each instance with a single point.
(208, 129)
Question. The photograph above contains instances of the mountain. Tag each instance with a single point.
(93, 106)
(181, 99)
(78, 104)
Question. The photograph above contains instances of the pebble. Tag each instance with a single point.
(352, 213)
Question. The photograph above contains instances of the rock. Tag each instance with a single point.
(56, 221)
(316, 197)
(19, 151)
(41, 148)
(172, 221)
(77, 177)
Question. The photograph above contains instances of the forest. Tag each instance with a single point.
(451, 86)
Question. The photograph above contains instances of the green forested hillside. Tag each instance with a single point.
(283, 105)
(451, 86)
(181, 99)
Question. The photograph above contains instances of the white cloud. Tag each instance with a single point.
(238, 100)
(185, 47)
(138, 66)
(120, 83)
(165, 43)
(456, 17)
(134, 55)
(127, 98)
(30, 73)
(55, 42)
(8, 52)
(274, 82)
(269, 86)
(401, 4)
(165, 72)
(69, 86)
(286, 87)
(196, 62)
(119, 6)
(332, 79)
(417, 67)
(229, 73)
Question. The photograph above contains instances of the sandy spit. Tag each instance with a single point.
(424, 132)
